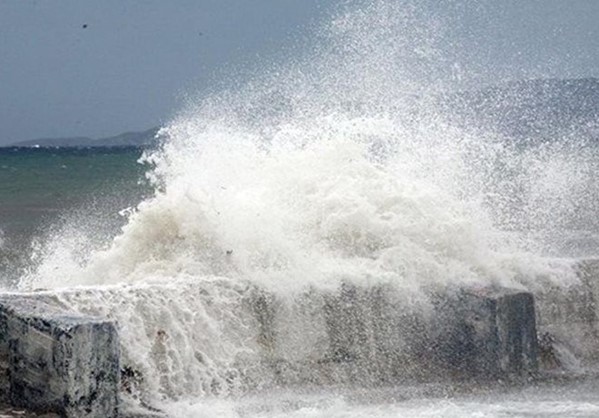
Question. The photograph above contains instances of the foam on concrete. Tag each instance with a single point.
(365, 335)
(568, 321)
(57, 360)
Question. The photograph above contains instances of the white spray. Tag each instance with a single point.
(335, 166)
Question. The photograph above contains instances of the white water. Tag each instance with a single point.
(543, 401)
(333, 166)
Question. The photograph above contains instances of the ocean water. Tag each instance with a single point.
(42, 189)
(341, 164)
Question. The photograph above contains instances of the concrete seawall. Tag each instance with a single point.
(370, 338)
(57, 360)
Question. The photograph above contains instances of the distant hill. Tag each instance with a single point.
(127, 139)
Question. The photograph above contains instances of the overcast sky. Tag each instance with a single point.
(99, 68)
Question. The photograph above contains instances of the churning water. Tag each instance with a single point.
(344, 163)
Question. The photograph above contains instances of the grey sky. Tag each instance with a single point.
(129, 68)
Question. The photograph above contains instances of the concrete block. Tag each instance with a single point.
(487, 333)
(351, 335)
(59, 361)
(375, 335)
(568, 320)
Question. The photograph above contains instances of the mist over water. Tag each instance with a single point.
(341, 164)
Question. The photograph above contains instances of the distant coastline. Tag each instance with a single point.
(128, 139)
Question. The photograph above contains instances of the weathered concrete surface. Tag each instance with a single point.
(568, 321)
(58, 361)
(492, 334)
(368, 335)
(350, 335)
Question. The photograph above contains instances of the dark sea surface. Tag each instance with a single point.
(42, 188)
